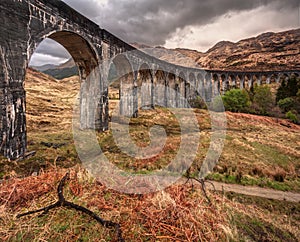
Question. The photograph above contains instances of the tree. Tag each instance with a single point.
(263, 100)
(236, 100)
(288, 88)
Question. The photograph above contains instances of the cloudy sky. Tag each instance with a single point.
(193, 24)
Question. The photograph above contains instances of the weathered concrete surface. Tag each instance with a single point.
(145, 80)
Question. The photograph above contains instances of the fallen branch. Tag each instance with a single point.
(63, 203)
(203, 186)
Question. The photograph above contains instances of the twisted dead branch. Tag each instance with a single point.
(63, 203)
(202, 183)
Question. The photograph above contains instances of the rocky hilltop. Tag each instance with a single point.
(268, 51)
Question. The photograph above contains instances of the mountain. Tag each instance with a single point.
(268, 51)
(61, 71)
(44, 67)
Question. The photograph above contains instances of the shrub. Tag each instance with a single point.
(236, 100)
(286, 104)
(292, 116)
(279, 174)
(198, 102)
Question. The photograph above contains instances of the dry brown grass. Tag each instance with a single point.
(173, 214)
(266, 149)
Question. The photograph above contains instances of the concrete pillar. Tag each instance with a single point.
(160, 89)
(225, 83)
(145, 89)
(233, 81)
(128, 94)
(193, 90)
(208, 87)
(171, 94)
(259, 79)
(201, 86)
(180, 90)
(250, 81)
(182, 93)
(268, 81)
(14, 56)
(187, 91)
(216, 85)
(277, 79)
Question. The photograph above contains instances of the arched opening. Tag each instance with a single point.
(124, 79)
(145, 88)
(60, 66)
(248, 81)
(216, 85)
(241, 81)
(284, 77)
(114, 85)
(255, 81)
(232, 82)
(225, 83)
(295, 74)
(273, 78)
(264, 79)
(259, 79)
(80, 49)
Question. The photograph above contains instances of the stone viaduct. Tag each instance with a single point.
(145, 80)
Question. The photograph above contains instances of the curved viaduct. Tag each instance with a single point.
(145, 80)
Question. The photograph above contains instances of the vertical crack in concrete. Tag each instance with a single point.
(5, 64)
(29, 35)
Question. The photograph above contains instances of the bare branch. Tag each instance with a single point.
(63, 203)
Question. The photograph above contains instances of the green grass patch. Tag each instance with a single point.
(254, 229)
(272, 155)
(252, 181)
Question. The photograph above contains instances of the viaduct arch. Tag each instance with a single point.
(144, 80)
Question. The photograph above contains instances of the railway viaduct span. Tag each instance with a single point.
(145, 80)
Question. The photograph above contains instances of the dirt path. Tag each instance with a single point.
(249, 190)
(256, 191)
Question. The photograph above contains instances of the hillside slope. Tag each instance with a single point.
(268, 51)
(258, 151)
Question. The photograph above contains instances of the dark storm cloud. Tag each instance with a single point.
(154, 21)
(52, 48)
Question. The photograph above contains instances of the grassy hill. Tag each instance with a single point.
(259, 151)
